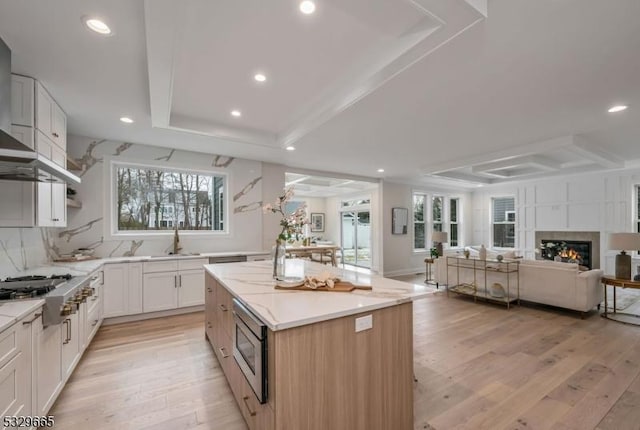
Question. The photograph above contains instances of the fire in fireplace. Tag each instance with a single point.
(573, 251)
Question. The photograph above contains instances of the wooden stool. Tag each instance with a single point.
(429, 275)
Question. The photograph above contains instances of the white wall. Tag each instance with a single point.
(399, 257)
(602, 202)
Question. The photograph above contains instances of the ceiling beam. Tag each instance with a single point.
(499, 155)
(596, 154)
(463, 177)
(536, 161)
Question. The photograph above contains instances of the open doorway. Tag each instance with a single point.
(344, 208)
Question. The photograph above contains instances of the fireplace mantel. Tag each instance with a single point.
(593, 236)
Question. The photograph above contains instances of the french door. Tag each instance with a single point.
(356, 238)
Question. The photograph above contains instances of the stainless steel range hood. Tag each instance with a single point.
(18, 162)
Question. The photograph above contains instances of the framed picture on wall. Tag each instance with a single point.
(399, 220)
(317, 221)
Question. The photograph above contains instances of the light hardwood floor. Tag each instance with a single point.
(478, 366)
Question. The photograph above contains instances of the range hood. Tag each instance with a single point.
(18, 162)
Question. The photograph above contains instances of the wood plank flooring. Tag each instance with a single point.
(479, 366)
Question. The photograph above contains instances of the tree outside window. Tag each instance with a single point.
(419, 238)
(157, 199)
(453, 221)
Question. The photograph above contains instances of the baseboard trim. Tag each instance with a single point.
(150, 315)
(403, 272)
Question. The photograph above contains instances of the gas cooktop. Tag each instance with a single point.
(28, 287)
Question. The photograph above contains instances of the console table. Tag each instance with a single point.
(618, 283)
(480, 269)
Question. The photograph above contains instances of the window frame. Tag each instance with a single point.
(505, 222)
(452, 222)
(424, 221)
(111, 207)
(428, 218)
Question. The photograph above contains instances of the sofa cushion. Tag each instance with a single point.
(550, 264)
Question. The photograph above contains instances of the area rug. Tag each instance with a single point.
(624, 298)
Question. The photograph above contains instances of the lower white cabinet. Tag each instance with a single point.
(173, 284)
(160, 291)
(70, 341)
(122, 289)
(48, 366)
(16, 352)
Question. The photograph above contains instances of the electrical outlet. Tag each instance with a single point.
(364, 323)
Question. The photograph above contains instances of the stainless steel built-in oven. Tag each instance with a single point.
(250, 349)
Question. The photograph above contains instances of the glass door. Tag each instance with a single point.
(356, 238)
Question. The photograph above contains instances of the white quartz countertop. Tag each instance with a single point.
(13, 311)
(252, 283)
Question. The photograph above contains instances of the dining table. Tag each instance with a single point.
(310, 251)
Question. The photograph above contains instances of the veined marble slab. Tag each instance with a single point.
(12, 311)
(252, 283)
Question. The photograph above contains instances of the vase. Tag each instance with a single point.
(279, 258)
(482, 253)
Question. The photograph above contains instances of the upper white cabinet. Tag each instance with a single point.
(22, 99)
(50, 119)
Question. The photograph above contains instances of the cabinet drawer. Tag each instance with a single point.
(224, 310)
(192, 264)
(160, 266)
(92, 323)
(8, 344)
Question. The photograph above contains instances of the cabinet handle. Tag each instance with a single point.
(222, 352)
(175, 281)
(210, 290)
(209, 324)
(67, 322)
(223, 308)
(244, 399)
(35, 317)
(55, 219)
(94, 323)
(55, 134)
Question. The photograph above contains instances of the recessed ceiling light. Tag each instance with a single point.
(307, 7)
(126, 120)
(97, 25)
(290, 148)
(618, 108)
(380, 170)
(260, 77)
(236, 113)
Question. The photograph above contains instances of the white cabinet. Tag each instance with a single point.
(50, 119)
(190, 288)
(160, 291)
(122, 289)
(48, 367)
(16, 359)
(173, 284)
(22, 97)
(25, 135)
(70, 341)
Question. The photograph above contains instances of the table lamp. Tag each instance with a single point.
(624, 242)
(440, 237)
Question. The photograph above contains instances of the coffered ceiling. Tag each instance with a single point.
(450, 92)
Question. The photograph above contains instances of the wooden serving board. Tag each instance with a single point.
(340, 287)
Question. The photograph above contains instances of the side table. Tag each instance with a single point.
(428, 262)
(618, 283)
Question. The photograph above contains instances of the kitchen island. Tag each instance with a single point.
(333, 359)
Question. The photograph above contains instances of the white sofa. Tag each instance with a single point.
(541, 281)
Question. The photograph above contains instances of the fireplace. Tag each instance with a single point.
(571, 251)
(585, 243)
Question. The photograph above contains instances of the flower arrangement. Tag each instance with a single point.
(293, 223)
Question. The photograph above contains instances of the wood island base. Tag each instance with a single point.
(324, 375)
